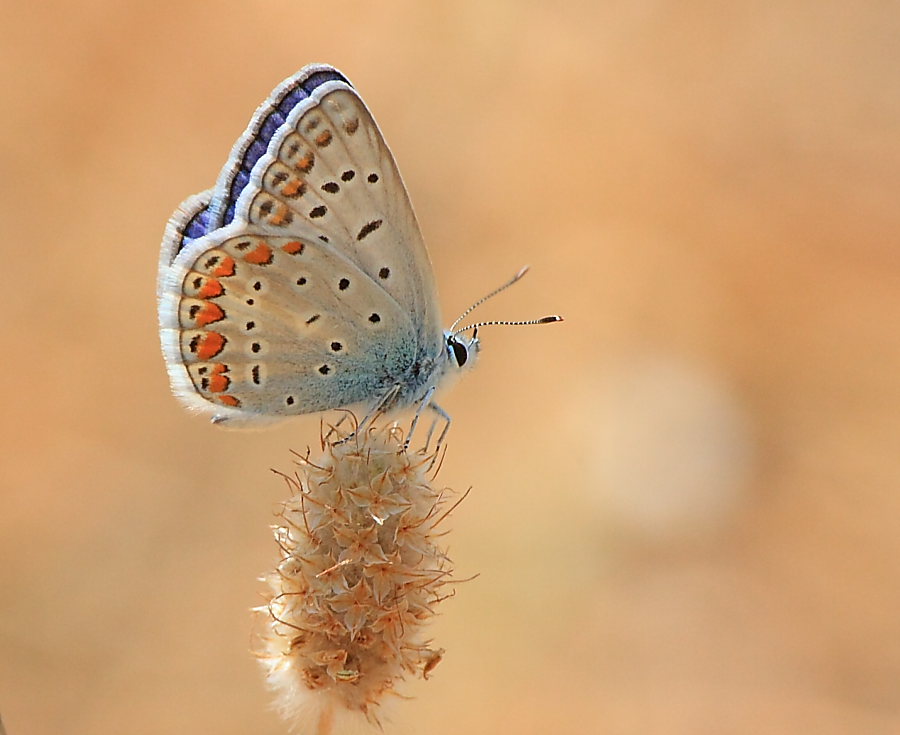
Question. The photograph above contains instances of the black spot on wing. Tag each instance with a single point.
(368, 228)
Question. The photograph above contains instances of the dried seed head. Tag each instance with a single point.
(358, 579)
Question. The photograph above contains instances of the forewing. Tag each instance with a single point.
(268, 119)
(329, 167)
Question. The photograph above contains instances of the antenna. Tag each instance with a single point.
(480, 301)
(542, 320)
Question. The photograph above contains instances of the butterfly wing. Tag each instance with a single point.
(189, 222)
(269, 117)
(260, 325)
(314, 153)
(308, 285)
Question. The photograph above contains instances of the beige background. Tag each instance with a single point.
(685, 511)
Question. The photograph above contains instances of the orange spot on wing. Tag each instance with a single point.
(225, 268)
(323, 139)
(209, 314)
(282, 217)
(261, 255)
(293, 248)
(229, 401)
(218, 383)
(305, 164)
(210, 345)
(210, 289)
(293, 188)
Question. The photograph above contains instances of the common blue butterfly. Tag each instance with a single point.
(300, 282)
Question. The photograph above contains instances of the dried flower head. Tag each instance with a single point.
(359, 576)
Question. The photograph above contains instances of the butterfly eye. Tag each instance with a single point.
(460, 353)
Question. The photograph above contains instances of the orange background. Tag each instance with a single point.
(685, 506)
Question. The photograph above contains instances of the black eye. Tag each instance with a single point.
(460, 353)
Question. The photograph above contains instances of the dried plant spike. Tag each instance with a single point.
(358, 580)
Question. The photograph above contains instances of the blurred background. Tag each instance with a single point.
(685, 514)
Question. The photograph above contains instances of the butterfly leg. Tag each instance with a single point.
(337, 425)
(429, 435)
(423, 404)
(442, 414)
(380, 407)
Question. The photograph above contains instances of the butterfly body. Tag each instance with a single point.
(300, 282)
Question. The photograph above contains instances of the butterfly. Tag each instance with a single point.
(300, 282)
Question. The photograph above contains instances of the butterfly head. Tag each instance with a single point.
(462, 350)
